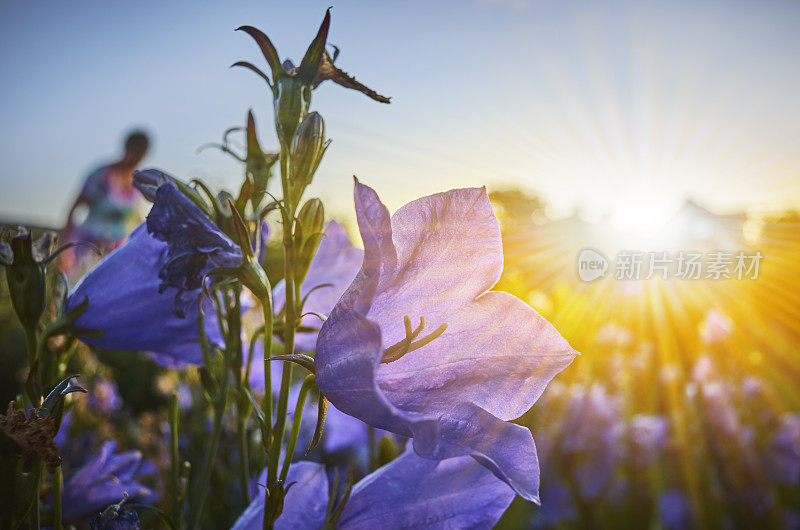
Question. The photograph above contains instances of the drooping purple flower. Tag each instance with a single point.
(102, 481)
(194, 245)
(484, 357)
(409, 492)
(144, 295)
(332, 269)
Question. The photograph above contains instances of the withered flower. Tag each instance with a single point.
(32, 436)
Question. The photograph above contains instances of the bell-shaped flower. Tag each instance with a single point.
(332, 269)
(408, 492)
(104, 480)
(476, 360)
(145, 294)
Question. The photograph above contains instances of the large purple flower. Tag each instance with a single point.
(483, 357)
(409, 492)
(144, 295)
(102, 481)
(332, 269)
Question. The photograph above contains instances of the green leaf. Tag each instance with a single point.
(322, 412)
(267, 49)
(303, 360)
(310, 64)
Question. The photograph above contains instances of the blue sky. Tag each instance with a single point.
(593, 104)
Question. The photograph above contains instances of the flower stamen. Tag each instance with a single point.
(396, 351)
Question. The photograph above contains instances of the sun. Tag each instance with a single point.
(644, 214)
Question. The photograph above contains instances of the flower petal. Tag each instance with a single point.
(125, 303)
(437, 258)
(497, 353)
(413, 492)
(102, 481)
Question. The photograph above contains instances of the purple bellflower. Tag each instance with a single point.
(332, 269)
(102, 481)
(648, 436)
(144, 295)
(593, 428)
(104, 396)
(674, 510)
(483, 357)
(409, 492)
(783, 456)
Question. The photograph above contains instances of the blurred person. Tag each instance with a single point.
(111, 202)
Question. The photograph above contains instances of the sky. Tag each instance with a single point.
(622, 107)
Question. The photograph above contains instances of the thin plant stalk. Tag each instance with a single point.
(201, 490)
(289, 312)
(174, 460)
(266, 306)
(308, 382)
(242, 407)
(211, 454)
(58, 484)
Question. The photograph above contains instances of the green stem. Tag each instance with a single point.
(30, 343)
(31, 348)
(250, 351)
(58, 483)
(289, 312)
(242, 406)
(287, 214)
(308, 382)
(216, 433)
(210, 456)
(266, 306)
(33, 516)
(244, 459)
(174, 458)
